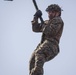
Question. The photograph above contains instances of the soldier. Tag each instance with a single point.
(51, 30)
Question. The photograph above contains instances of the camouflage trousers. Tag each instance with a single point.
(43, 53)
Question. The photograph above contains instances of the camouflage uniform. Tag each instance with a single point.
(49, 46)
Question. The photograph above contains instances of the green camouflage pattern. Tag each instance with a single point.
(54, 7)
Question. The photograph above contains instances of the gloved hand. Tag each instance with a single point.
(38, 13)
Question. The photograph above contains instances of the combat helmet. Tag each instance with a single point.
(54, 7)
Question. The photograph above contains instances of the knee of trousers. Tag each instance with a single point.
(39, 59)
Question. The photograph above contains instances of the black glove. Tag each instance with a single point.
(38, 13)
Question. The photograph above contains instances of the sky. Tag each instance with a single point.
(18, 41)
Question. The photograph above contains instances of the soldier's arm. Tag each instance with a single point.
(36, 27)
(53, 28)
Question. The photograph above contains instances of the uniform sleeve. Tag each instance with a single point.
(53, 28)
(36, 27)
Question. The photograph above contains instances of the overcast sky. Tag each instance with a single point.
(17, 41)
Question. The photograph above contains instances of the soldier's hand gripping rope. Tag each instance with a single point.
(38, 13)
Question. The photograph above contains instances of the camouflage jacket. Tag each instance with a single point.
(51, 29)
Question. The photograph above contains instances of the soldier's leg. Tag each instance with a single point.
(39, 62)
(32, 62)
